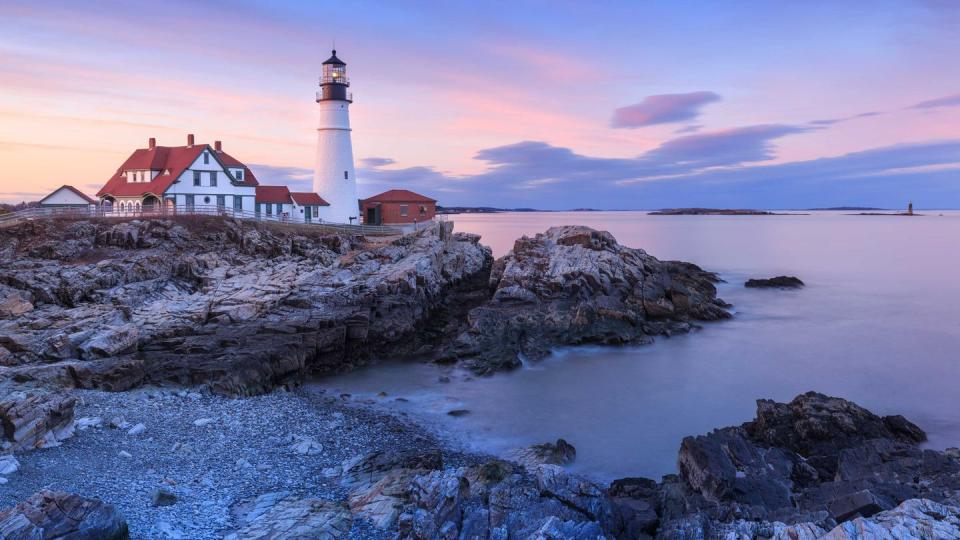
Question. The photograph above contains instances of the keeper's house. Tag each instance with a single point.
(397, 206)
(201, 178)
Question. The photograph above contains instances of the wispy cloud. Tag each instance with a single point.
(662, 109)
(947, 101)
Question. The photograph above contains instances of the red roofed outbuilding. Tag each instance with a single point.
(397, 206)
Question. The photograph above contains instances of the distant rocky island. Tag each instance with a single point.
(712, 212)
(127, 345)
(493, 210)
(847, 209)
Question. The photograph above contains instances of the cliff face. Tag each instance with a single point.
(234, 305)
(573, 285)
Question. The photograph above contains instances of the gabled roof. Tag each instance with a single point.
(76, 192)
(171, 161)
(229, 161)
(304, 198)
(399, 195)
(273, 194)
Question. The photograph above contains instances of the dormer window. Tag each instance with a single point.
(239, 174)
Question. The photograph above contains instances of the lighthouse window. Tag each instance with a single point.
(346, 175)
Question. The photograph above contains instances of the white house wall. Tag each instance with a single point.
(65, 197)
(184, 186)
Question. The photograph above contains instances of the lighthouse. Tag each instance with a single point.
(334, 177)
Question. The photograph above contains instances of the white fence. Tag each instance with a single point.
(20, 216)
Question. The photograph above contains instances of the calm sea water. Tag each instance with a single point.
(878, 323)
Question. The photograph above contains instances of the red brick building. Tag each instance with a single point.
(397, 206)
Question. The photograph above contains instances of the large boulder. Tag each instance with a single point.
(818, 427)
(574, 285)
(35, 419)
(53, 515)
(281, 516)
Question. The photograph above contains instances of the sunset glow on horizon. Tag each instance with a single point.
(742, 104)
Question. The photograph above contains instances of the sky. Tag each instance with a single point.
(552, 105)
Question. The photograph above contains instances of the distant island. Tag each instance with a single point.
(493, 210)
(848, 209)
(712, 212)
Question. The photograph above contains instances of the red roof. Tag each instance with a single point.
(273, 194)
(304, 198)
(399, 195)
(171, 161)
(79, 193)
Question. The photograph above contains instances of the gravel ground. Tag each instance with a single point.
(212, 452)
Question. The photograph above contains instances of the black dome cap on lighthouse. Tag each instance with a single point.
(334, 60)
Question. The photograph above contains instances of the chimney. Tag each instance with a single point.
(190, 140)
(152, 143)
(218, 146)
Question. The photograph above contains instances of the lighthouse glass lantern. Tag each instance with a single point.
(334, 81)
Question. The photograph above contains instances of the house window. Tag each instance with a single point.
(206, 158)
(213, 179)
(239, 174)
(237, 203)
(423, 210)
(403, 210)
(206, 200)
(269, 209)
(196, 178)
(189, 202)
(279, 208)
(221, 201)
(256, 209)
(346, 175)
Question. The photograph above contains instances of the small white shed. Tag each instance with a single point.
(67, 197)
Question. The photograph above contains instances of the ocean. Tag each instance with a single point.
(878, 323)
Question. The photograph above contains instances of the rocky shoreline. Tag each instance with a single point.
(124, 347)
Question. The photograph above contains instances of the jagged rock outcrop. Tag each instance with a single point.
(574, 285)
(239, 306)
(817, 459)
(52, 515)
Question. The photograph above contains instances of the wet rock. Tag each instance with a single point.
(36, 418)
(458, 412)
(817, 427)
(862, 503)
(54, 515)
(779, 282)
(574, 285)
(558, 453)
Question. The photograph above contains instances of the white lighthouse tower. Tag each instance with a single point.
(333, 177)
